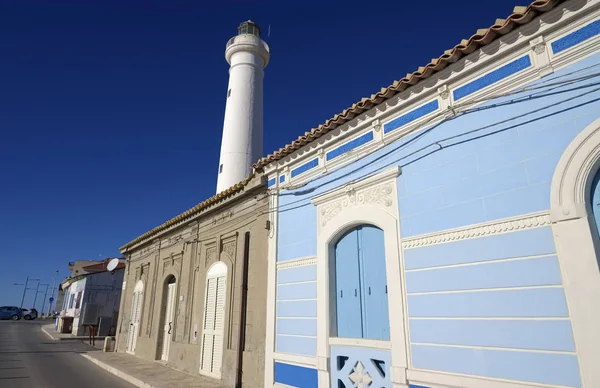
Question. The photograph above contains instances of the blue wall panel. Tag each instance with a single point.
(305, 167)
(534, 302)
(411, 116)
(297, 291)
(576, 37)
(538, 241)
(304, 346)
(521, 334)
(296, 326)
(301, 239)
(544, 368)
(297, 274)
(492, 77)
(527, 200)
(361, 140)
(301, 308)
(541, 271)
(295, 376)
(271, 182)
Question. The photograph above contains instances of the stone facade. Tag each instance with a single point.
(186, 251)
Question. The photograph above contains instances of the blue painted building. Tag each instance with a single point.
(442, 233)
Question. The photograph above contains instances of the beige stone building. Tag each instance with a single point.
(194, 293)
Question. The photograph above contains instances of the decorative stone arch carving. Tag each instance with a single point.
(371, 201)
(577, 245)
(572, 180)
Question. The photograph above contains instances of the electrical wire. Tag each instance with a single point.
(285, 207)
(454, 109)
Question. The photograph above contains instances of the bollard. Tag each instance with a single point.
(107, 343)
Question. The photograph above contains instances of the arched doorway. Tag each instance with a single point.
(214, 320)
(168, 314)
(360, 292)
(135, 316)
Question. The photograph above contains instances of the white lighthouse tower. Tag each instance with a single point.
(241, 146)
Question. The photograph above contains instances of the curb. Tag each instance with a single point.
(130, 379)
(75, 338)
(49, 335)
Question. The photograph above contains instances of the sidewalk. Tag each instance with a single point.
(148, 374)
(51, 332)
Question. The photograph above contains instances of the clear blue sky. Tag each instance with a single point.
(111, 111)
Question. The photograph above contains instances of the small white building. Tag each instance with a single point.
(92, 288)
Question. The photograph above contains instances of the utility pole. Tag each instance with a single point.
(36, 293)
(52, 295)
(45, 295)
(25, 288)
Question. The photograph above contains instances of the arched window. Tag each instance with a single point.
(358, 274)
(214, 320)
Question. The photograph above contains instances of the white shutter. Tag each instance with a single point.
(214, 316)
(209, 323)
(219, 323)
(132, 326)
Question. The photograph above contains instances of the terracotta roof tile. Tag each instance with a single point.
(484, 36)
(238, 187)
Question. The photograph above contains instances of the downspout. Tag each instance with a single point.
(244, 302)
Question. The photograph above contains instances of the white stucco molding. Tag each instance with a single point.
(573, 176)
(378, 190)
(301, 262)
(374, 201)
(506, 225)
(577, 245)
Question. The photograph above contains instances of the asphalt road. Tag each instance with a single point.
(28, 358)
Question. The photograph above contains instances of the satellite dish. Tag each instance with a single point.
(112, 264)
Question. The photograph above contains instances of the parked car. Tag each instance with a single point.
(30, 314)
(10, 312)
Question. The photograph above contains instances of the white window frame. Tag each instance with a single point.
(372, 201)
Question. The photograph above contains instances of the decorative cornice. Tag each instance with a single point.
(527, 221)
(374, 190)
(381, 194)
(302, 262)
(353, 187)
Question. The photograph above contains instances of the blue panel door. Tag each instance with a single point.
(374, 283)
(347, 285)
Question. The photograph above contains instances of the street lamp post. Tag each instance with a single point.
(52, 295)
(37, 291)
(45, 295)
(25, 288)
